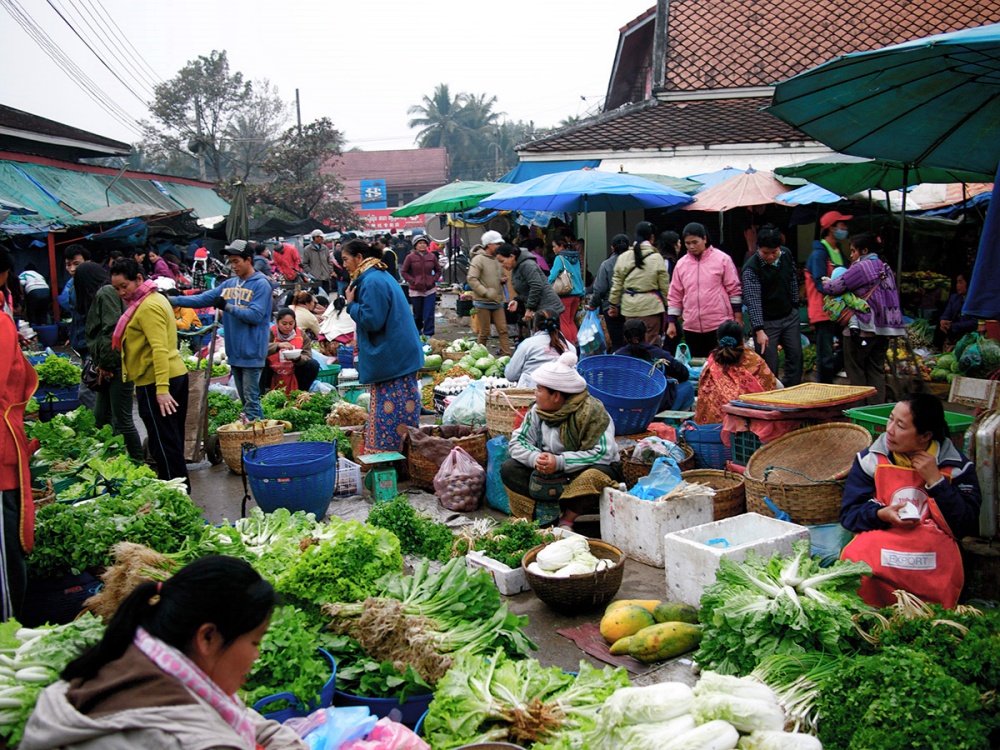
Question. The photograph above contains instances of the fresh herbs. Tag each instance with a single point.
(57, 372)
(222, 410)
(509, 541)
(778, 606)
(324, 433)
(418, 534)
(359, 674)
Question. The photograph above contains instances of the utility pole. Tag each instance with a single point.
(298, 112)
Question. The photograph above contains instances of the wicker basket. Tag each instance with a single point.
(522, 506)
(802, 472)
(634, 471)
(504, 406)
(231, 440)
(423, 470)
(730, 490)
(581, 593)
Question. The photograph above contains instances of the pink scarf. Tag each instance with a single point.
(177, 665)
(142, 291)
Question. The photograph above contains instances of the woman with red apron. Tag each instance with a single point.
(910, 497)
(288, 374)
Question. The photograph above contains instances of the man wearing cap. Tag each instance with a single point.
(825, 257)
(316, 260)
(486, 279)
(245, 301)
(421, 271)
(566, 432)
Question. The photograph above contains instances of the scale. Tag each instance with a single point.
(380, 479)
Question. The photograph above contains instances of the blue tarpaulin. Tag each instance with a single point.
(983, 299)
(528, 170)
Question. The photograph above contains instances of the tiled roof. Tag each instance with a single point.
(665, 125)
(735, 43)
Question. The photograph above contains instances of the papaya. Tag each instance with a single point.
(649, 604)
(620, 647)
(675, 612)
(664, 640)
(624, 621)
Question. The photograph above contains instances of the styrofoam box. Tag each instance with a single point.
(509, 581)
(637, 526)
(691, 564)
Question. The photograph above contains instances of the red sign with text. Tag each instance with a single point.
(379, 219)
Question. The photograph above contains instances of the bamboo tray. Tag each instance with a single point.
(808, 395)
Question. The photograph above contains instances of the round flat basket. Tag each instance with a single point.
(231, 440)
(629, 388)
(634, 471)
(296, 476)
(730, 490)
(504, 406)
(802, 472)
(580, 593)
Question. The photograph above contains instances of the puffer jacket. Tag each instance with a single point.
(483, 278)
(705, 291)
(639, 292)
(886, 317)
(421, 270)
(532, 288)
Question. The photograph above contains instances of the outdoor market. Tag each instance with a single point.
(516, 479)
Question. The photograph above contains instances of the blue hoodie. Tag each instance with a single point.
(570, 261)
(246, 319)
(388, 343)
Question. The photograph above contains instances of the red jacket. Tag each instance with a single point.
(287, 260)
(18, 382)
(421, 270)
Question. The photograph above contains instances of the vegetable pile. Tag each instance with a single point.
(476, 358)
(57, 372)
(222, 410)
(566, 557)
(418, 533)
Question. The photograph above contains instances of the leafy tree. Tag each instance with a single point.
(253, 130)
(297, 188)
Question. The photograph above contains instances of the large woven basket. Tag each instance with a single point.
(802, 472)
(582, 593)
(504, 406)
(634, 471)
(730, 490)
(522, 506)
(231, 440)
(422, 470)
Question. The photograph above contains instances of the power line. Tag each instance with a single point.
(121, 34)
(26, 22)
(95, 53)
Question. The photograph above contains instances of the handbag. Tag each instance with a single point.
(563, 285)
(93, 378)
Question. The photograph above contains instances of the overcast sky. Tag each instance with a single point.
(362, 63)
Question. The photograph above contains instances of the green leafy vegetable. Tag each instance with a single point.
(221, 410)
(57, 372)
(509, 541)
(418, 534)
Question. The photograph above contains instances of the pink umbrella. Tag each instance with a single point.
(751, 188)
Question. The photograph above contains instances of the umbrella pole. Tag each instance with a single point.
(902, 224)
(871, 213)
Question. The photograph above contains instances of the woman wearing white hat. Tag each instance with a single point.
(566, 432)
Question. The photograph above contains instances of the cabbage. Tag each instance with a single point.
(715, 734)
(502, 361)
(447, 365)
(433, 361)
(474, 372)
(478, 351)
(939, 375)
(653, 703)
(779, 741)
(485, 363)
(740, 687)
(651, 736)
(554, 556)
(575, 568)
(466, 362)
(945, 361)
(746, 714)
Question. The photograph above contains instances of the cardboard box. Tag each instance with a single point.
(637, 527)
(691, 562)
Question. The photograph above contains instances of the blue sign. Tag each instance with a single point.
(373, 194)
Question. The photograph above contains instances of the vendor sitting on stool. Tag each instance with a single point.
(565, 433)
(678, 396)
(288, 374)
(908, 498)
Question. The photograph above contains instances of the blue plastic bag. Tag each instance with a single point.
(590, 337)
(683, 354)
(662, 478)
(496, 493)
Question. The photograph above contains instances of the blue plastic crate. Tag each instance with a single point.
(706, 442)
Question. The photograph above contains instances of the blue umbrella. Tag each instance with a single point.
(808, 193)
(983, 298)
(586, 190)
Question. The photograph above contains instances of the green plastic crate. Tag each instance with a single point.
(329, 374)
(875, 418)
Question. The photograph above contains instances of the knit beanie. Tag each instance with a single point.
(561, 375)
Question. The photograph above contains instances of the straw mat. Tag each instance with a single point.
(810, 394)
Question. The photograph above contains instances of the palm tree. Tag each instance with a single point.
(440, 119)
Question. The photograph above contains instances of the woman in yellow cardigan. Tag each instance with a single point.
(146, 334)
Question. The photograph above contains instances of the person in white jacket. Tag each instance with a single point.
(545, 345)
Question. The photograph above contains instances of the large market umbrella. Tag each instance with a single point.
(451, 198)
(681, 184)
(751, 188)
(238, 221)
(585, 190)
(847, 175)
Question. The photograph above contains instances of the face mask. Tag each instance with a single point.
(841, 234)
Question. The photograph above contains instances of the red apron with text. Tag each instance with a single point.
(924, 560)
(284, 371)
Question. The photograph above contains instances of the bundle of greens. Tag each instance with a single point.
(222, 410)
(324, 433)
(502, 700)
(271, 540)
(70, 440)
(418, 533)
(360, 674)
(289, 661)
(778, 606)
(31, 660)
(507, 542)
(99, 476)
(423, 620)
(57, 372)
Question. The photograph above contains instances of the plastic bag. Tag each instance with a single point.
(496, 453)
(388, 735)
(329, 728)
(460, 481)
(650, 448)
(683, 354)
(318, 386)
(468, 407)
(590, 336)
(662, 478)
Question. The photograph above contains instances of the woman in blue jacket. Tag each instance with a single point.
(567, 260)
(389, 349)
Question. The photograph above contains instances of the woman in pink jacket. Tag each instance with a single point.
(704, 292)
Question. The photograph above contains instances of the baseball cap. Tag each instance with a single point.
(830, 218)
(237, 247)
(491, 238)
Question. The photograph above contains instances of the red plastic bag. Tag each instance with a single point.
(388, 735)
(460, 481)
